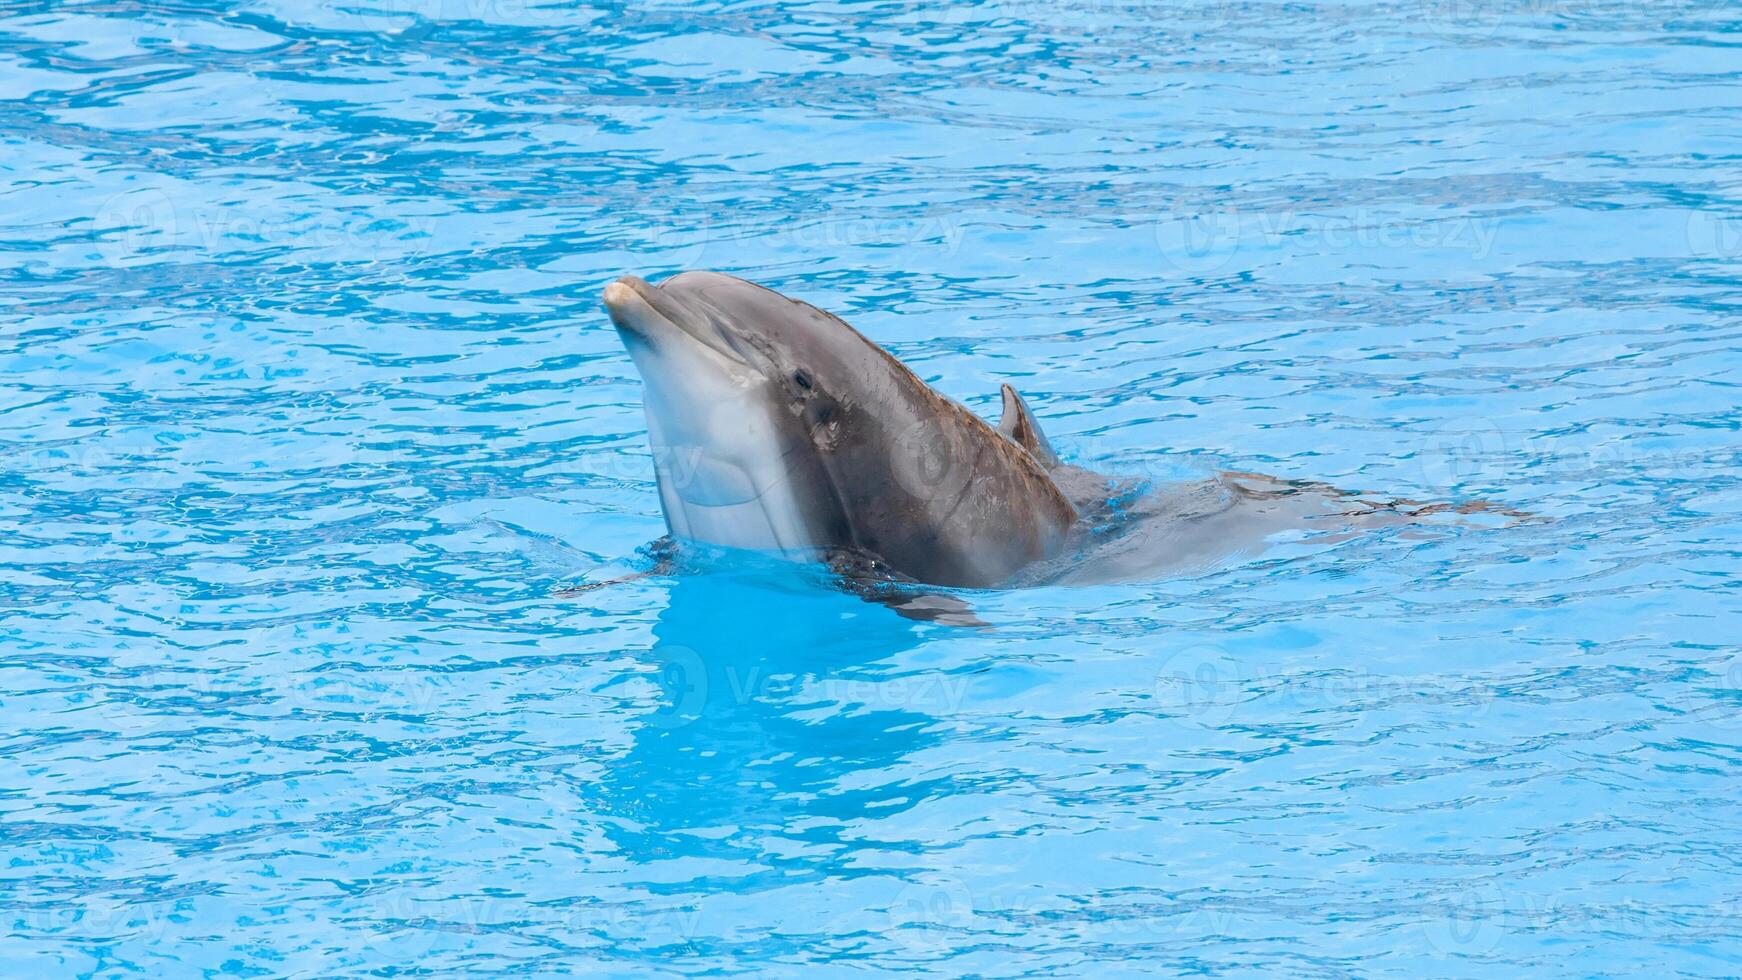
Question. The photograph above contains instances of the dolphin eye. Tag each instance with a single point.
(801, 379)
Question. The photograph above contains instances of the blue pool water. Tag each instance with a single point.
(310, 410)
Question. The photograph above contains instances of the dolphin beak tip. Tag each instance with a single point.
(618, 295)
(628, 291)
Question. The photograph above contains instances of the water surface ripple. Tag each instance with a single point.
(309, 409)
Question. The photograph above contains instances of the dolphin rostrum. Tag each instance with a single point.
(778, 427)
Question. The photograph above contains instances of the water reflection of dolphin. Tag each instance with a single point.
(778, 427)
(771, 693)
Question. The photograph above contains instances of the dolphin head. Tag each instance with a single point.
(744, 398)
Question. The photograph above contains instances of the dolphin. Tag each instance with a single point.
(778, 427)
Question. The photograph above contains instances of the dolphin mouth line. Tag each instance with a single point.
(646, 312)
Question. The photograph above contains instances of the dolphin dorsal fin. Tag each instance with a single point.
(1018, 426)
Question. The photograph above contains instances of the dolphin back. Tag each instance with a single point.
(952, 501)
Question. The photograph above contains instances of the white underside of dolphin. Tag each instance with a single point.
(722, 474)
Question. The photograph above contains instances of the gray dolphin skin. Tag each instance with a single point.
(778, 427)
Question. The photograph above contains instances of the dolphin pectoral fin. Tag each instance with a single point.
(930, 607)
(911, 602)
(1018, 425)
(870, 578)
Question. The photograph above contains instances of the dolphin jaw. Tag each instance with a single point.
(722, 476)
(717, 444)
